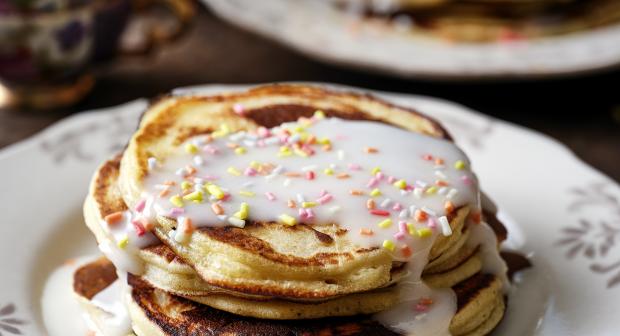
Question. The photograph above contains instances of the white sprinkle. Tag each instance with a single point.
(272, 141)
(198, 180)
(452, 193)
(300, 198)
(181, 237)
(440, 174)
(442, 190)
(249, 143)
(237, 136)
(234, 221)
(386, 203)
(429, 211)
(309, 168)
(446, 230)
(334, 209)
(248, 184)
(333, 166)
(421, 184)
(198, 160)
(412, 209)
(181, 172)
(417, 192)
(199, 141)
(152, 162)
(403, 214)
(212, 198)
(270, 177)
(287, 182)
(199, 187)
(277, 170)
(222, 217)
(294, 138)
(340, 155)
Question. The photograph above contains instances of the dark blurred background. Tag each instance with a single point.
(582, 112)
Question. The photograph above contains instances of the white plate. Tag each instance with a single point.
(568, 215)
(321, 31)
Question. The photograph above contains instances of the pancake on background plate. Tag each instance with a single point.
(259, 212)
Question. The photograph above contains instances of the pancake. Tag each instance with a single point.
(155, 312)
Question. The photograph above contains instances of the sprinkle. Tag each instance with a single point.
(448, 207)
(441, 183)
(442, 191)
(114, 218)
(152, 163)
(190, 170)
(249, 171)
(400, 184)
(402, 226)
(222, 217)
(309, 214)
(335, 209)
(234, 221)
(292, 174)
(328, 171)
(215, 191)
(379, 175)
(244, 210)
(240, 150)
(386, 203)
(411, 229)
(392, 179)
(308, 204)
(405, 251)
(238, 109)
(233, 171)
(385, 223)
(452, 193)
(286, 182)
(439, 161)
(420, 215)
(291, 204)
(446, 230)
(198, 160)
(427, 157)
(354, 166)
(424, 232)
(340, 155)
(460, 165)
(466, 180)
(431, 223)
(195, 196)
(412, 209)
(417, 193)
(440, 174)
(187, 225)
(397, 207)
(421, 184)
(399, 236)
(191, 148)
(375, 192)
(403, 214)
(181, 172)
(318, 114)
(176, 212)
(375, 170)
(323, 192)
(429, 211)
(370, 150)
(138, 226)
(324, 199)
(378, 212)
(177, 201)
(366, 232)
(356, 192)
(343, 176)
(431, 190)
(185, 185)
(287, 219)
(310, 175)
(372, 182)
(476, 217)
(217, 208)
(122, 244)
(388, 245)
(247, 193)
(370, 204)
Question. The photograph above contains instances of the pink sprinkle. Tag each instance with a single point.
(399, 236)
(323, 193)
(226, 197)
(466, 180)
(283, 138)
(260, 143)
(325, 198)
(409, 187)
(354, 166)
(379, 175)
(397, 207)
(138, 226)
(402, 226)
(270, 196)
(302, 213)
(238, 108)
(432, 223)
(174, 212)
(391, 179)
(211, 149)
(210, 177)
(140, 206)
(250, 171)
(309, 214)
(372, 183)
(263, 132)
(310, 175)
(421, 308)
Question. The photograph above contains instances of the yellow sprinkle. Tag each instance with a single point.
(301, 153)
(233, 171)
(308, 204)
(459, 165)
(287, 220)
(319, 114)
(223, 131)
(254, 164)
(177, 201)
(400, 184)
(123, 242)
(244, 210)
(424, 232)
(185, 185)
(411, 228)
(299, 129)
(324, 141)
(240, 150)
(388, 245)
(384, 224)
(247, 193)
(375, 170)
(196, 196)
(431, 190)
(375, 192)
(285, 151)
(328, 171)
(191, 148)
(215, 191)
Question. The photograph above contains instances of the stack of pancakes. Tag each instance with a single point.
(267, 278)
(491, 20)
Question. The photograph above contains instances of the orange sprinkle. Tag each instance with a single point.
(476, 217)
(343, 176)
(232, 145)
(426, 301)
(370, 204)
(190, 170)
(327, 147)
(217, 209)
(420, 215)
(439, 161)
(449, 207)
(164, 192)
(370, 150)
(148, 226)
(441, 183)
(114, 218)
(292, 174)
(356, 192)
(406, 251)
(366, 232)
(189, 227)
(311, 139)
(291, 204)
(170, 183)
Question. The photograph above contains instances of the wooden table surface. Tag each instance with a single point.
(581, 112)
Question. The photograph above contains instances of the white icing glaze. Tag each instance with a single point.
(111, 300)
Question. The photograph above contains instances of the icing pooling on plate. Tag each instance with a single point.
(387, 187)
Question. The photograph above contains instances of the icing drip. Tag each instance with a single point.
(111, 301)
